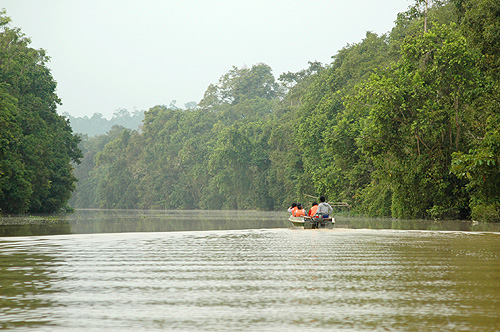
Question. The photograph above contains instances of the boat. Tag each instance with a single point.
(309, 223)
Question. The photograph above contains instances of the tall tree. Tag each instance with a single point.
(480, 165)
(415, 121)
(41, 144)
(240, 84)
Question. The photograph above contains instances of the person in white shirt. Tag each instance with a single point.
(324, 209)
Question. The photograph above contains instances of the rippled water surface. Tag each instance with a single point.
(264, 278)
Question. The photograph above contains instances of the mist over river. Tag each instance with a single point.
(98, 270)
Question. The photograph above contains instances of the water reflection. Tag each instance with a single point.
(118, 221)
(247, 280)
(25, 283)
(420, 224)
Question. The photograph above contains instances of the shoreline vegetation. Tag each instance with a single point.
(404, 125)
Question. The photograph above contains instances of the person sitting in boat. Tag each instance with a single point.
(324, 209)
(292, 208)
(300, 212)
(314, 208)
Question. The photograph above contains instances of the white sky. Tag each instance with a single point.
(111, 54)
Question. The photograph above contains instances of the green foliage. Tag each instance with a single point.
(37, 145)
(480, 167)
(240, 84)
(403, 125)
(481, 25)
(15, 190)
(416, 119)
(327, 131)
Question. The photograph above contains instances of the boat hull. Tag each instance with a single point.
(312, 223)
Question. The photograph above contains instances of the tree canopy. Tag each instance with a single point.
(402, 125)
(37, 145)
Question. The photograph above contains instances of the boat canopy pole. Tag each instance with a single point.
(338, 204)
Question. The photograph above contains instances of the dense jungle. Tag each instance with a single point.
(402, 125)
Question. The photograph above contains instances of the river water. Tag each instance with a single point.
(245, 271)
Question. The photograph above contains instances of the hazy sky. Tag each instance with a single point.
(111, 54)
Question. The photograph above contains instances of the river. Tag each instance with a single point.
(245, 271)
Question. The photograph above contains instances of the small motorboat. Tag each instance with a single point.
(312, 222)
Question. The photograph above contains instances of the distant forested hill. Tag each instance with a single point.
(99, 125)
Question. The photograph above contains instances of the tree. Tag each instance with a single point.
(40, 144)
(326, 131)
(415, 121)
(15, 190)
(238, 85)
(479, 166)
(480, 22)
